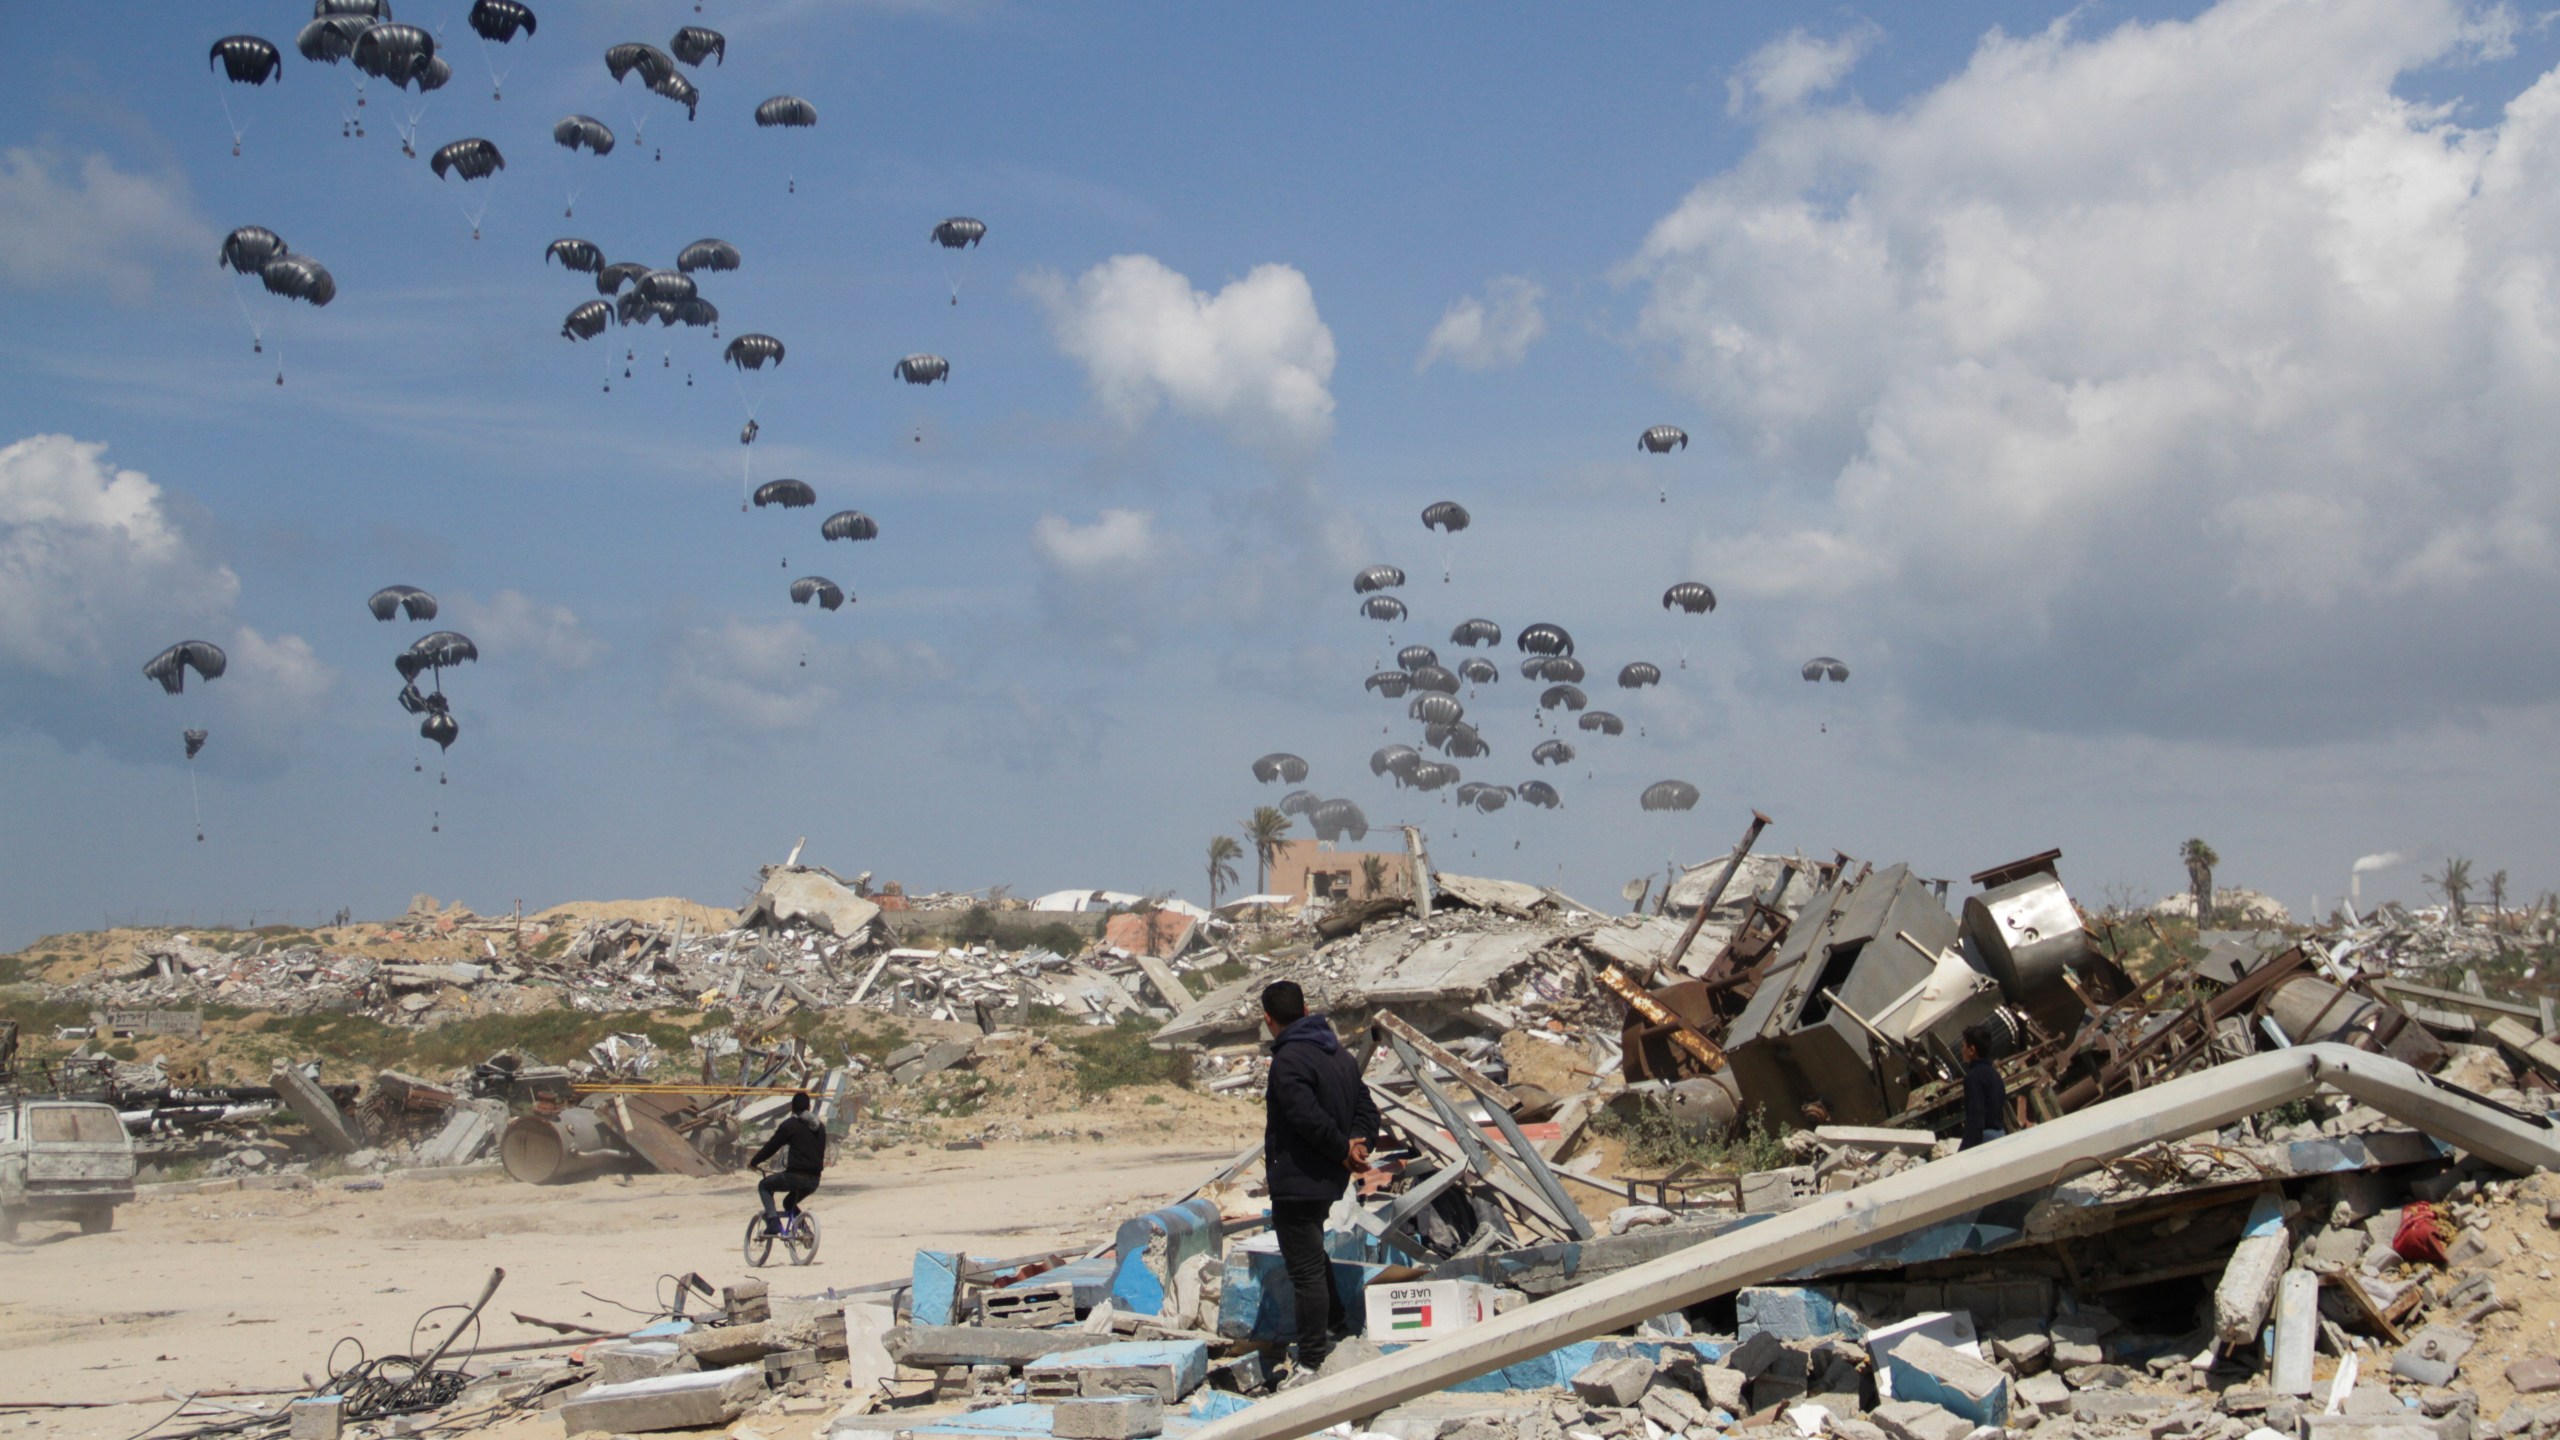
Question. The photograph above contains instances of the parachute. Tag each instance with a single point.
(959, 232)
(473, 159)
(1540, 794)
(415, 703)
(1563, 668)
(1489, 798)
(1477, 670)
(394, 600)
(622, 272)
(922, 369)
(1383, 607)
(444, 647)
(1447, 515)
(331, 38)
(361, 9)
(499, 20)
(786, 110)
(1459, 739)
(1433, 678)
(575, 131)
(1569, 697)
(1390, 683)
(246, 59)
(789, 494)
(1637, 674)
(195, 742)
(1689, 597)
(1823, 667)
(665, 287)
(750, 352)
(398, 54)
(747, 433)
(696, 312)
(248, 249)
(1414, 657)
(1338, 820)
(170, 666)
(1279, 766)
(1297, 802)
(1545, 640)
(1432, 775)
(1551, 752)
(1535, 667)
(1602, 722)
(707, 255)
(649, 60)
(1395, 760)
(636, 309)
(680, 90)
(1434, 708)
(1669, 795)
(850, 525)
(693, 45)
(1476, 632)
(299, 277)
(574, 254)
(826, 592)
(1376, 577)
(442, 728)
(1663, 439)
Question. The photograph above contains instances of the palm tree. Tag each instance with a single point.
(1223, 853)
(2498, 893)
(1373, 874)
(2454, 884)
(1264, 829)
(2200, 860)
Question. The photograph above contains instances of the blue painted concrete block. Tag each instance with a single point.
(1149, 1249)
(1256, 1303)
(1792, 1313)
(933, 1295)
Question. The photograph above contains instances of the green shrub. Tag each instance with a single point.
(1107, 1059)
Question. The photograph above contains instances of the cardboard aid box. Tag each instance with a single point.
(1427, 1309)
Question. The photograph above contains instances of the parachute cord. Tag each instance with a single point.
(257, 332)
(195, 795)
(239, 131)
(497, 77)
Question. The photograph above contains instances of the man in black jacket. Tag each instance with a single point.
(1986, 1099)
(1318, 1122)
(803, 1142)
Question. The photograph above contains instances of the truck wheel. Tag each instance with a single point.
(99, 1221)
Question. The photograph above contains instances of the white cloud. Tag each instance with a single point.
(1253, 360)
(92, 226)
(1099, 580)
(542, 642)
(1120, 542)
(1493, 333)
(1797, 66)
(742, 675)
(2189, 355)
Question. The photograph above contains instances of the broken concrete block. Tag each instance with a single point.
(2474, 1248)
(1923, 1369)
(320, 1114)
(1877, 1139)
(2023, 1346)
(2433, 1356)
(718, 1347)
(1166, 1369)
(2075, 1344)
(1243, 1375)
(638, 1360)
(669, 1402)
(1768, 1191)
(2248, 1285)
(1949, 1328)
(1916, 1420)
(1790, 1312)
(2047, 1392)
(322, 1417)
(1614, 1384)
(1724, 1387)
(1673, 1409)
(789, 1367)
(2534, 1374)
(2297, 1331)
(2115, 1406)
(1120, 1417)
(2406, 1425)
(2098, 1377)
(869, 1367)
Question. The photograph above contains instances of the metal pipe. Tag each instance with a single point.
(1715, 892)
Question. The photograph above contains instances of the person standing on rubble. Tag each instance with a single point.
(1986, 1098)
(803, 1142)
(1318, 1122)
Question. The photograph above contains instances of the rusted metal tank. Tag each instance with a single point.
(548, 1149)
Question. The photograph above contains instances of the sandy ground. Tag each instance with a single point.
(249, 1289)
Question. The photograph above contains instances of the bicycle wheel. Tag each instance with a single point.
(759, 1243)
(804, 1239)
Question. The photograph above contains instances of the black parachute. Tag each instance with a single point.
(1563, 668)
(1414, 657)
(1446, 515)
(195, 743)
(442, 728)
(1456, 738)
(826, 592)
(392, 601)
(1338, 820)
(1434, 708)
(707, 255)
(1434, 678)
(1383, 607)
(959, 232)
(665, 287)
(680, 90)
(170, 666)
(618, 274)
(922, 369)
(788, 110)
(574, 131)
(1279, 766)
(850, 525)
(789, 494)
(249, 248)
(1390, 683)
(1395, 760)
(1376, 577)
(1637, 674)
(1535, 667)
(246, 59)
(1823, 667)
(331, 38)
(398, 54)
(1540, 794)
(1476, 632)
(1663, 439)
(1570, 697)
(1477, 670)
(652, 62)
(473, 159)
(695, 312)
(694, 44)
(299, 277)
(443, 648)
(750, 352)
(587, 321)
(1545, 640)
(1602, 722)
(1551, 752)
(1669, 795)
(583, 256)
(1690, 597)
(499, 20)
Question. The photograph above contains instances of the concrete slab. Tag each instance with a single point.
(1923, 1369)
(2248, 1285)
(1613, 1384)
(1121, 1417)
(669, 1402)
(1166, 1369)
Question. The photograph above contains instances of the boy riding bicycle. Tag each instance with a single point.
(804, 1145)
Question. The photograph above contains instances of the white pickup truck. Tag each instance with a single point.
(62, 1160)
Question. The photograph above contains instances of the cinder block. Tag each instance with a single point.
(1917, 1420)
(321, 1417)
(1923, 1369)
(1791, 1312)
(2433, 1356)
(2075, 1345)
(697, 1401)
(1121, 1417)
(2534, 1374)
(1614, 1384)
(1166, 1369)
(2047, 1392)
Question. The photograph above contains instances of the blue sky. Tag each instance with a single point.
(2148, 404)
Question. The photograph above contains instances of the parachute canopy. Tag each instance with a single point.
(789, 494)
(441, 727)
(1432, 677)
(1689, 597)
(499, 20)
(246, 60)
(1338, 820)
(850, 525)
(1669, 795)
(652, 62)
(195, 742)
(694, 44)
(474, 159)
(1663, 439)
(170, 666)
(573, 131)
(665, 287)
(1545, 640)
(678, 89)
(1446, 515)
(788, 110)
(618, 274)
(393, 600)
(1637, 674)
(1602, 722)
(399, 54)
(1396, 760)
(1414, 657)
(1433, 708)
(299, 277)
(1390, 683)
(922, 369)
(330, 38)
(1823, 667)
(1540, 794)
(575, 254)
(707, 255)
(249, 248)
(1551, 752)
(444, 647)
(1569, 697)
(826, 592)
(750, 352)
(1477, 670)
(587, 321)
(1561, 667)
(1383, 607)
(1279, 766)
(1376, 577)
(1476, 632)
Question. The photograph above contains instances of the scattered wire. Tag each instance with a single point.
(163, 1420)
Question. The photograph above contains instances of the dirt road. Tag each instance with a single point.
(250, 1289)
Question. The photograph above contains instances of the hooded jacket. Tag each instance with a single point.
(1315, 1105)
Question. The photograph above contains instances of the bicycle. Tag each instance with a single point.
(799, 1237)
